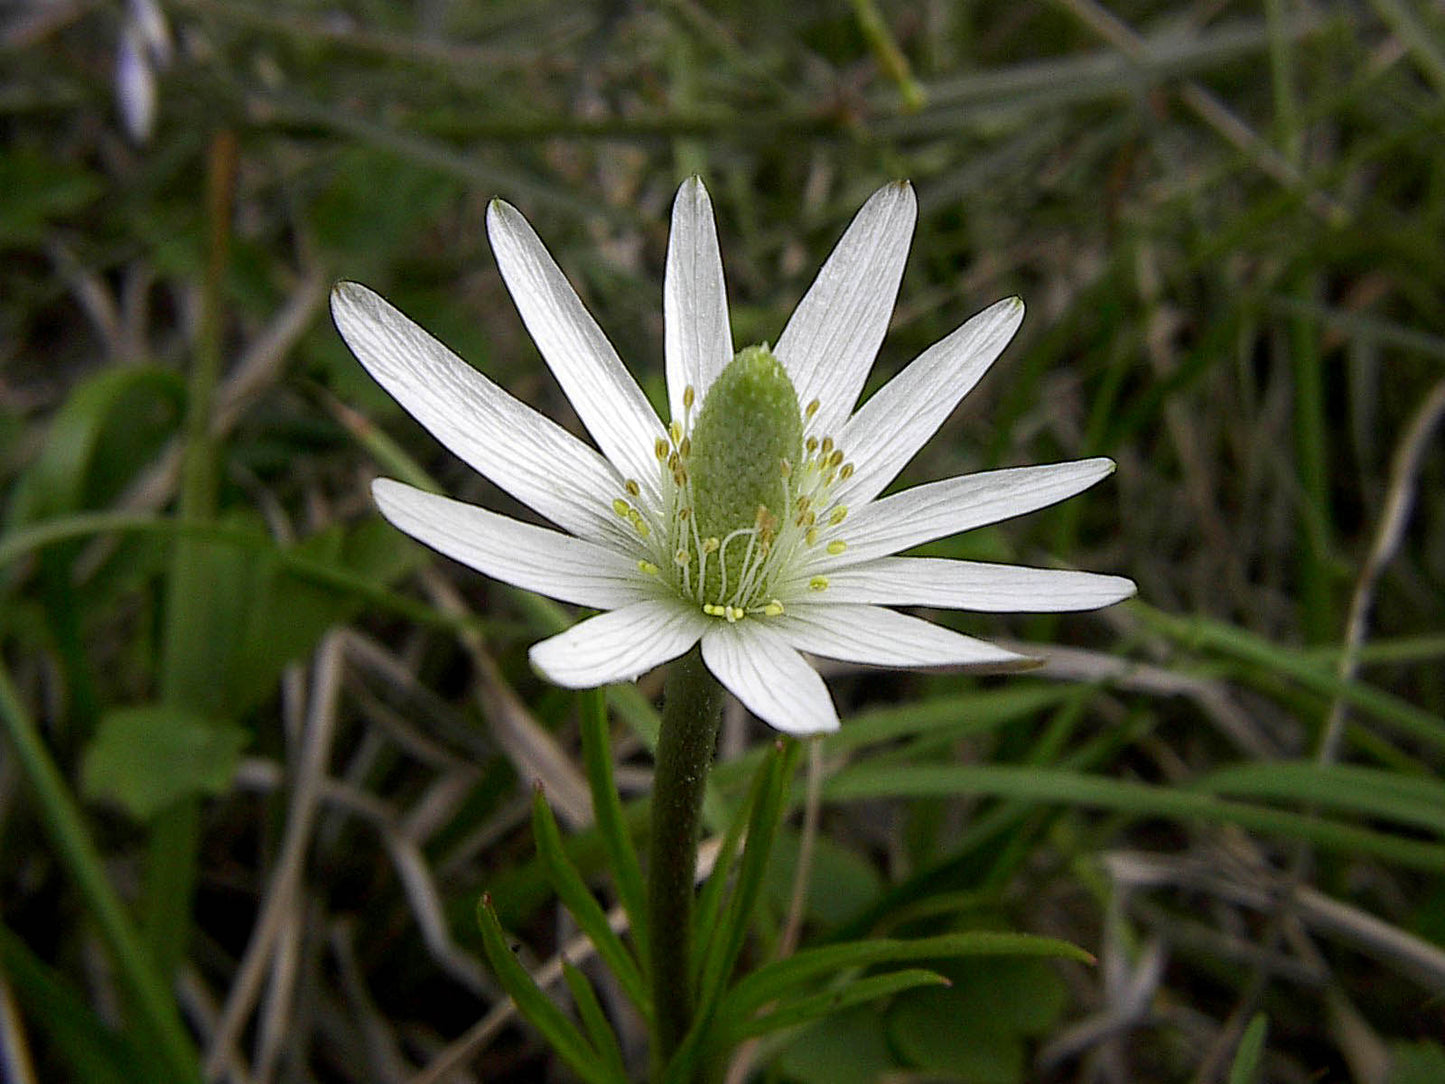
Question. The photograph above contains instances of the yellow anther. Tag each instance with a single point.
(773, 609)
(685, 447)
(812, 409)
(679, 477)
(711, 610)
(682, 557)
(836, 459)
(826, 447)
(675, 431)
(811, 538)
(846, 472)
(689, 396)
(818, 583)
(838, 515)
(734, 615)
(710, 545)
(648, 568)
(684, 513)
(811, 445)
(659, 449)
(809, 518)
(804, 503)
(621, 507)
(786, 468)
(837, 546)
(674, 464)
(633, 489)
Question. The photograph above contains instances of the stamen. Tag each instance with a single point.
(659, 449)
(682, 557)
(633, 489)
(622, 508)
(689, 396)
(818, 583)
(846, 472)
(685, 448)
(675, 431)
(773, 609)
(838, 515)
(648, 568)
(825, 447)
(811, 410)
(837, 546)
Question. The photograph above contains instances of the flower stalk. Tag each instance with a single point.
(692, 709)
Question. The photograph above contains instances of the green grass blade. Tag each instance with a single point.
(1047, 785)
(157, 1017)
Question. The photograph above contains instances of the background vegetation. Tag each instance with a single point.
(1227, 223)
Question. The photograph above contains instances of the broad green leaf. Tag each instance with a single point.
(976, 1029)
(109, 426)
(148, 758)
(845, 1048)
(1421, 1062)
(840, 884)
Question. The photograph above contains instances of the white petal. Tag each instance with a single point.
(620, 645)
(971, 585)
(894, 423)
(879, 637)
(772, 680)
(527, 454)
(831, 341)
(698, 337)
(938, 509)
(602, 391)
(521, 554)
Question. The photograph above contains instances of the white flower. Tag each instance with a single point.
(660, 529)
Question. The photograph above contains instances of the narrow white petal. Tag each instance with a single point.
(539, 559)
(894, 423)
(620, 645)
(831, 341)
(971, 585)
(878, 637)
(698, 338)
(772, 680)
(527, 454)
(602, 391)
(938, 509)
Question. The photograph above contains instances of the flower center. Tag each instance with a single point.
(746, 492)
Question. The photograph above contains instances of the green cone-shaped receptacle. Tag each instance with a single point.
(749, 424)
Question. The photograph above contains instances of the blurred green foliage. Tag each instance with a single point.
(1227, 224)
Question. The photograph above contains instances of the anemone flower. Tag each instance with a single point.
(751, 521)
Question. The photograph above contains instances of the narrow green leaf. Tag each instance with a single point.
(578, 899)
(1250, 1054)
(607, 809)
(816, 1006)
(778, 980)
(534, 1004)
(594, 1020)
